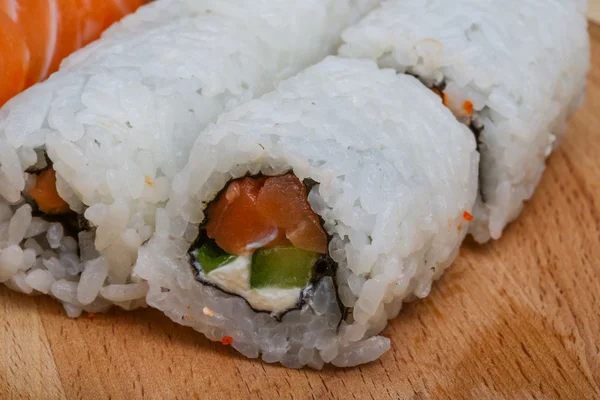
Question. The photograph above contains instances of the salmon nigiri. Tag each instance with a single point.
(36, 35)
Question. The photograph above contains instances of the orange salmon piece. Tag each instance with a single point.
(68, 31)
(49, 30)
(309, 235)
(254, 213)
(283, 200)
(13, 59)
(280, 241)
(37, 20)
(83, 21)
(45, 194)
(100, 14)
(233, 221)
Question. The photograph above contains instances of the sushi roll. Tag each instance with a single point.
(514, 71)
(303, 219)
(87, 156)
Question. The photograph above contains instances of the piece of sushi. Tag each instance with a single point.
(35, 36)
(513, 70)
(305, 218)
(87, 156)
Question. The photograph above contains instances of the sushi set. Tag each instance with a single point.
(280, 176)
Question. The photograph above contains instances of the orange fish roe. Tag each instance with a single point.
(467, 216)
(227, 340)
(442, 95)
(91, 315)
(148, 181)
(468, 107)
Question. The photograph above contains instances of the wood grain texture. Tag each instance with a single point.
(517, 318)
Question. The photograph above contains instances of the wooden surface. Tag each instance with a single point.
(594, 10)
(517, 318)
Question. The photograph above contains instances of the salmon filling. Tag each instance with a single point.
(45, 194)
(47, 205)
(261, 241)
(264, 212)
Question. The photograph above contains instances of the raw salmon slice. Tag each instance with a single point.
(283, 200)
(46, 196)
(13, 59)
(309, 235)
(37, 20)
(233, 221)
(255, 213)
(100, 14)
(68, 32)
(50, 31)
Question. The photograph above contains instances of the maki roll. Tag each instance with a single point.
(261, 241)
(303, 219)
(514, 71)
(87, 156)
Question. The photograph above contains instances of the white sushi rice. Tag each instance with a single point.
(119, 120)
(395, 174)
(522, 63)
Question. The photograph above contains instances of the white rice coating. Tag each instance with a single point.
(118, 121)
(522, 63)
(395, 170)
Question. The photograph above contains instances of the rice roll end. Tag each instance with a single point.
(513, 70)
(87, 156)
(378, 176)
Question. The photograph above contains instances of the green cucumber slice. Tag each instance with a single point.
(210, 257)
(282, 268)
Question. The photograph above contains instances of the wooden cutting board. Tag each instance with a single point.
(517, 318)
(594, 10)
